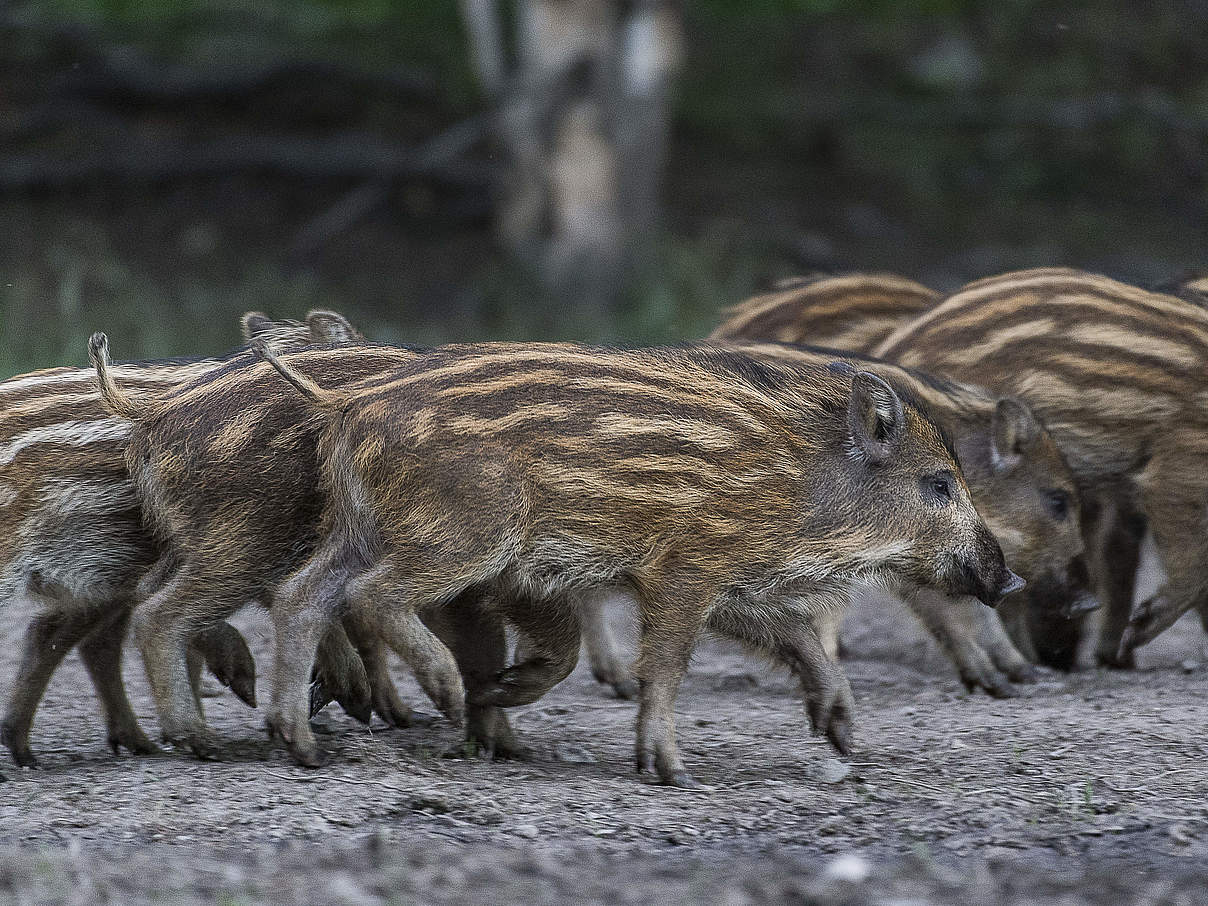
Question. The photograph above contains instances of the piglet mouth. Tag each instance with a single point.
(971, 582)
(1012, 584)
(1082, 603)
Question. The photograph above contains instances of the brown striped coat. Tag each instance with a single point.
(853, 312)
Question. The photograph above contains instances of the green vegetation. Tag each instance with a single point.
(945, 138)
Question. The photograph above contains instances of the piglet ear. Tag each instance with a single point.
(875, 416)
(253, 323)
(1014, 429)
(331, 327)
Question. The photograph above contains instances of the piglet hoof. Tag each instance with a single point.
(204, 748)
(489, 735)
(307, 756)
(646, 763)
(489, 750)
(18, 746)
(1023, 673)
(994, 685)
(1122, 658)
(391, 709)
(449, 696)
(244, 687)
(510, 750)
(357, 706)
(133, 741)
(24, 756)
(360, 713)
(626, 688)
(839, 736)
(682, 780)
(240, 678)
(318, 698)
(623, 685)
(1000, 689)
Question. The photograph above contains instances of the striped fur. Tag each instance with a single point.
(71, 532)
(720, 490)
(1120, 377)
(853, 312)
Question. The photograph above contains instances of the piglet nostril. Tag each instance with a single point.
(1012, 584)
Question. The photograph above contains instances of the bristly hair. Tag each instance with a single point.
(772, 377)
(759, 374)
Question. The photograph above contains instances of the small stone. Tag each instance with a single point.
(848, 867)
(527, 831)
(831, 770)
(573, 754)
(1180, 834)
(1190, 666)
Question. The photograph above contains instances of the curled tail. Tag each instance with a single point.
(323, 399)
(116, 400)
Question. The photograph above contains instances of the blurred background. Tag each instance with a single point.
(588, 169)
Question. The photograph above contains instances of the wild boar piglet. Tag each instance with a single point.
(722, 492)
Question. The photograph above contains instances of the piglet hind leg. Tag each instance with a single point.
(608, 665)
(992, 636)
(955, 623)
(1173, 502)
(798, 638)
(303, 611)
(52, 633)
(339, 675)
(226, 655)
(1114, 548)
(101, 652)
(384, 697)
(829, 703)
(1153, 616)
(164, 625)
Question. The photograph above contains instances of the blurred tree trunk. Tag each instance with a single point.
(582, 95)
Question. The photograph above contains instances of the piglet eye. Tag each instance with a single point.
(1058, 503)
(939, 488)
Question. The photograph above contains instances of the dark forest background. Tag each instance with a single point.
(165, 166)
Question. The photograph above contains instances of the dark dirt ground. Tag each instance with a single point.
(1088, 788)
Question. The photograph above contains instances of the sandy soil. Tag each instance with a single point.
(1088, 788)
